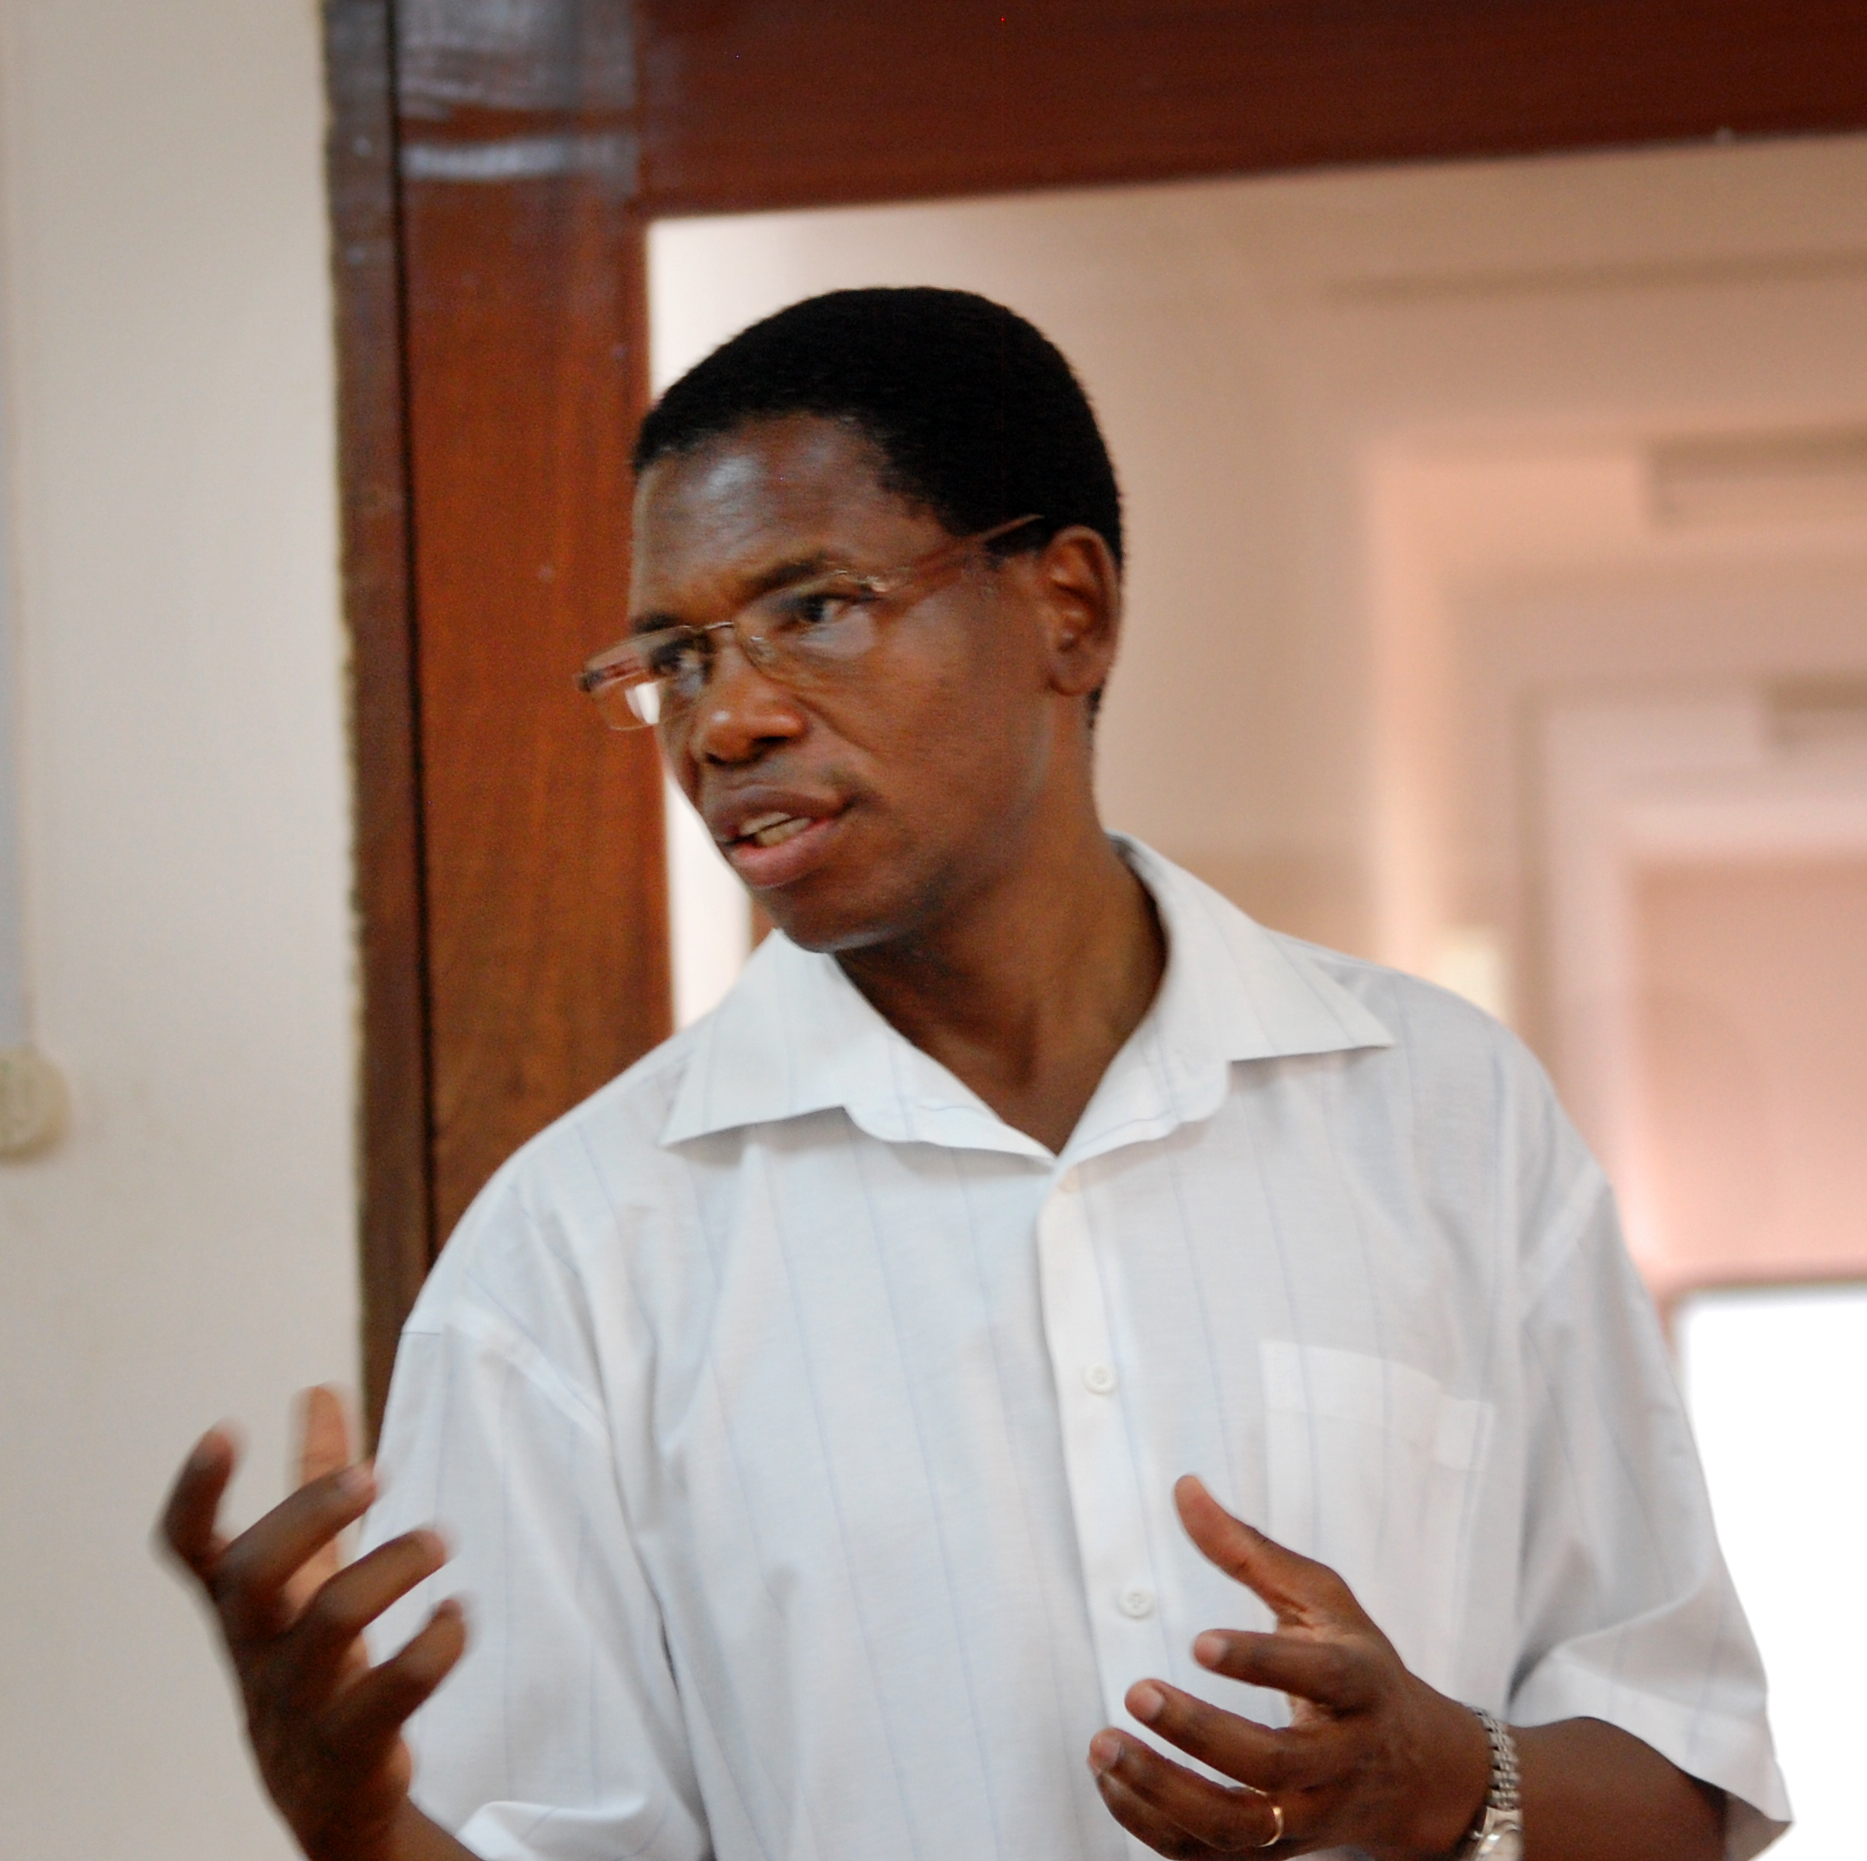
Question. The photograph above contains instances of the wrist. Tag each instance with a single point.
(418, 1839)
(1458, 1767)
(386, 1831)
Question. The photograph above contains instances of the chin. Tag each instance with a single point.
(824, 933)
(837, 926)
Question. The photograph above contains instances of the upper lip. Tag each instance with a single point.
(733, 816)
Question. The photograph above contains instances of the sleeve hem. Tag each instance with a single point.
(1732, 1753)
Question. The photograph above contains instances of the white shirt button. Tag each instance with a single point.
(1136, 1602)
(1100, 1378)
(1068, 1183)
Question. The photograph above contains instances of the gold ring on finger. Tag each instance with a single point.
(1277, 1827)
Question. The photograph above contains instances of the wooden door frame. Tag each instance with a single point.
(394, 1198)
(948, 97)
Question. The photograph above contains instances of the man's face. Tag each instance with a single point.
(862, 813)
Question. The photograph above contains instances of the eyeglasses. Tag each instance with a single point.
(804, 634)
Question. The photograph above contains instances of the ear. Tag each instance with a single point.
(1079, 591)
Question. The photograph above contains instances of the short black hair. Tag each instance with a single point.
(976, 414)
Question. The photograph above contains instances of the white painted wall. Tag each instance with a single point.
(12, 953)
(188, 1250)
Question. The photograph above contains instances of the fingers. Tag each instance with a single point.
(1300, 1591)
(1336, 1673)
(1171, 1808)
(334, 1619)
(1143, 1821)
(324, 1434)
(1300, 1758)
(249, 1581)
(367, 1718)
(324, 1449)
(1350, 1753)
(188, 1520)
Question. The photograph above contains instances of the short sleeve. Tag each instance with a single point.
(1627, 1612)
(559, 1737)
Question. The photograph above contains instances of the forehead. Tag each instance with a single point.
(767, 492)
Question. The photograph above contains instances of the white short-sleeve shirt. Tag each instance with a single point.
(806, 1434)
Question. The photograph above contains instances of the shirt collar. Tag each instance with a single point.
(796, 1036)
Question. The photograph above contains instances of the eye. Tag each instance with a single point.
(677, 656)
(814, 606)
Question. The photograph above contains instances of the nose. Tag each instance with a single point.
(740, 712)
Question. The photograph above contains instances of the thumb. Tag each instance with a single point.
(1299, 1591)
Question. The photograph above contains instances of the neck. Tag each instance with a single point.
(1028, 989)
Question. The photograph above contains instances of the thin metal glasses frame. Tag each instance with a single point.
(628, 671)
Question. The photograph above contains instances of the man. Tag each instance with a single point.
(806, 1409)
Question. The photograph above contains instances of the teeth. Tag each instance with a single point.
(780, 831)
(772, 829)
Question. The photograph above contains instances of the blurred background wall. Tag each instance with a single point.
(188, 1250)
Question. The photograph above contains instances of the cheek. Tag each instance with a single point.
(953, 738)
(980, 708)
(676, 763)
(947, 731)
(973, 768)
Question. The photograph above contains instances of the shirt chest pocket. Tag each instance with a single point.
(1372, 1468)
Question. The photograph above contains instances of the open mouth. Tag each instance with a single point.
(769, 830)
(778, 847)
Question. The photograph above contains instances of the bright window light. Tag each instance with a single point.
(1776, 1380)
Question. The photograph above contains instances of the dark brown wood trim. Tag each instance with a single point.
(395, 1198)
(792, 103)
(546, 911)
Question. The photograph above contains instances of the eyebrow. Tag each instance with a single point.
(778, 575)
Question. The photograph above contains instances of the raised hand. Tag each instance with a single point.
(1373, 1758)
(325, 1725)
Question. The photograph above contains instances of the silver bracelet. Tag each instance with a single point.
(1498, 1833)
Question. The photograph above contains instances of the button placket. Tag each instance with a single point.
(1099, 1458)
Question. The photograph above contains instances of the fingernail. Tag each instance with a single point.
(1146, 1702)
(355, 1482)
(1209, 1650)
(1104, 1752)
